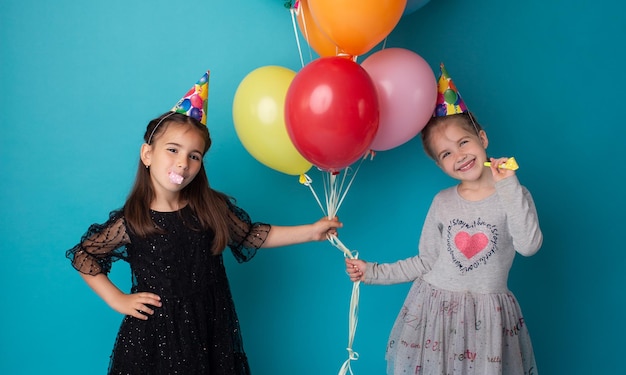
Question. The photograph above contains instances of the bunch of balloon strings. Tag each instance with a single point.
(335, 189)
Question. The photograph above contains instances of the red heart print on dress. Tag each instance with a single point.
(470, 245)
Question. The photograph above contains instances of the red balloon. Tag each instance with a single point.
(331, 112)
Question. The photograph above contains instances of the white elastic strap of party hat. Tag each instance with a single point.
(157, 126)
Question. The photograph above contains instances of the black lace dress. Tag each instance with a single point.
(196, 331)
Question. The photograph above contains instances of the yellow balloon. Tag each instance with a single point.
(259, 118)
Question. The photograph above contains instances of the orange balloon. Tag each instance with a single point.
(357, 26)
(313, 35)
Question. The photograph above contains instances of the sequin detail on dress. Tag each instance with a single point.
(196, 331)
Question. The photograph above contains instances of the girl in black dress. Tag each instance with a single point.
(173, 228)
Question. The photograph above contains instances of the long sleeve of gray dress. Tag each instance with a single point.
(459, 237)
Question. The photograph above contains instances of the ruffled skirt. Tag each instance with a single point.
(440, 332)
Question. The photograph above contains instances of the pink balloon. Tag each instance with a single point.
(407, 94)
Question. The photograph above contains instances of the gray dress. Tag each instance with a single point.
(459, 316)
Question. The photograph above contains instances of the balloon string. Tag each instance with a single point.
(307, 181)
(334, 240)
(349, 184)
(354, 308)
(306, 30)
(334, 199)
(333, 191)
(295, 32)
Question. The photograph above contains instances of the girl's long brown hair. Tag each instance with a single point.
(209, 206)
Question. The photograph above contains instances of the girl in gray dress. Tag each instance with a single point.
(459, 316)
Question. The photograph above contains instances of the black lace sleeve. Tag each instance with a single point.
(246, 237)
(100, 246)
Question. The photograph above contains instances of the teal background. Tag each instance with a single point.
(80, 80)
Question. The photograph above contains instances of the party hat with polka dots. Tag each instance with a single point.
(194, 103)
(449, 101)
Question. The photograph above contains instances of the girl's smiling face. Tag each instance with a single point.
(459, 152)
(174, 157)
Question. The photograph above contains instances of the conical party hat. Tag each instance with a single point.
(449, 101)
(194, 103)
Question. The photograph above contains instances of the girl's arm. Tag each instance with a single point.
(247, 237)
(405, 270)
(521, 216)
(401, 271)
(291, 235)
(93, 256)
(136, 305)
